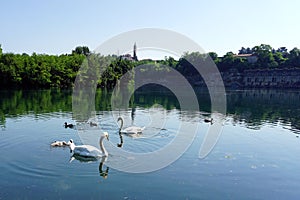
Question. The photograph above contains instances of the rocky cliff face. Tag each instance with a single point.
(263, 78)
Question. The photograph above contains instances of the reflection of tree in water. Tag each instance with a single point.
(256, 107)
(295, 125)
(14, 103)
(251, 107)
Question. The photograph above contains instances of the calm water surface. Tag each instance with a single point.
(256, 157)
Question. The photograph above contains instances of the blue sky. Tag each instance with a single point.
(56, 27)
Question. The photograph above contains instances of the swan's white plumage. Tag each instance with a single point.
(130, 129)
(133, 130)
(88, 150)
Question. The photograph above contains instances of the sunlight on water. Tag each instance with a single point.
(256, 157)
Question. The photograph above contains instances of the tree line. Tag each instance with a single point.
(267, 58)
(38, 70)
(47, 71)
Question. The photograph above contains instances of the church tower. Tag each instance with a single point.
(134, 52)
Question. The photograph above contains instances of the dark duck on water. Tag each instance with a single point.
(68, 125)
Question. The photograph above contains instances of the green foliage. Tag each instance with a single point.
(294, 57)
(81, 50)
(214, 57)
(265, 56)
(46, 71)
(115, 70)
(39, 70)
(244, 50)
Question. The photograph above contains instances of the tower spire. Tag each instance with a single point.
(134, 52)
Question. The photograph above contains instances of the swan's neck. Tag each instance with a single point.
(72, 146)
(104, 152)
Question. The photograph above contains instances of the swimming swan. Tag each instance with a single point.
(131, 129)
(88, 150)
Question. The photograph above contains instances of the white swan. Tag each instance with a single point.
(130, 129)
(88, 150)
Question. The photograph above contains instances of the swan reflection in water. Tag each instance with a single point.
(121, 140)
(103, 173)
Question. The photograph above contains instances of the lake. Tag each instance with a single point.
(256, 155)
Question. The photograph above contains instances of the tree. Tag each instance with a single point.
(188, 62)
(171, 62)
(81, 50)
(265, 56)
(227, 61)
(283, 50)
(245, 51)
(294, 57)
(242, 51)
(279, 58)
(214, 57)
(249, 51)
(231, 61)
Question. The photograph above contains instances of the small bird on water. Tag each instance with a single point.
(68, 125)
(208, 120)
